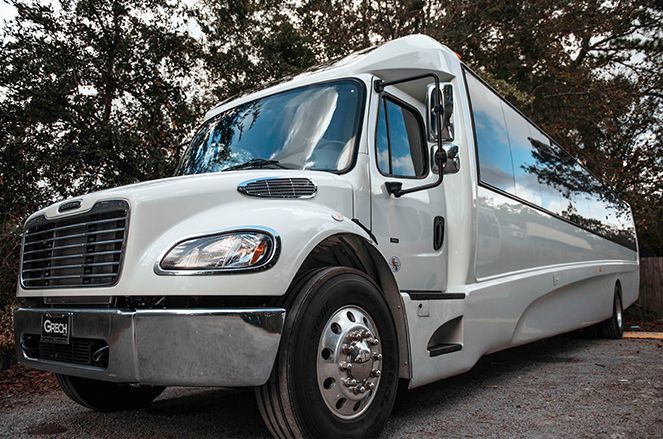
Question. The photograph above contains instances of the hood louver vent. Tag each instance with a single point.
(279, 188)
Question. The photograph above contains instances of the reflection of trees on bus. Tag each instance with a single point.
(210, 144)
(586, 200)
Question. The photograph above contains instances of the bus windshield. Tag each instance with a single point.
(314, 127)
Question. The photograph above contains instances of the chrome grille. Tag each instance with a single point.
(279, 188)
(83, 250)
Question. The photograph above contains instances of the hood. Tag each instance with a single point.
(192, 193)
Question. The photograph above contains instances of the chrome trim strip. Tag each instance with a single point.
(269, 263)
(75, 255)
(62, 267)
(71, 276)
(77, 235)
(169, 347)
(73, 226)
(83, 244)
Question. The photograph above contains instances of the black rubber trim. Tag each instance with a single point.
(365, 229)
(444, 348)
(433, 295)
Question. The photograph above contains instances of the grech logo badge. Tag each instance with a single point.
(55, 328)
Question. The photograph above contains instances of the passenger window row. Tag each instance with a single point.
(517, 158)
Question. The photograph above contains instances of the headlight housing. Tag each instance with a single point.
(224, 252)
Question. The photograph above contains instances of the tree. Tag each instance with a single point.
(248, 44)
(92, 95)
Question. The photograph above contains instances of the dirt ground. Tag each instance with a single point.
(567, 386)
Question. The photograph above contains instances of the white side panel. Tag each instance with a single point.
(513, 236)
(517, 309)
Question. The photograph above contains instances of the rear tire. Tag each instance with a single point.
(103, 396)
(311, 392)
(613, 328)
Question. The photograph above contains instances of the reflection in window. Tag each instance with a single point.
(400, 145)
(312, 127)
(527, 184)
(551, 196)
(518, 158)
(495, 165)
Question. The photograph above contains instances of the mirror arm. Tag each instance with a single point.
(393, 187)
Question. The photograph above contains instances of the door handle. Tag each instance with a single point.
(438, 232)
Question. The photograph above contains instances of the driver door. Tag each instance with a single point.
(410, 230)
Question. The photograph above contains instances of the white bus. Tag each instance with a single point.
(388, 217)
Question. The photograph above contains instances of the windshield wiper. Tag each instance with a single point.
(255, 163)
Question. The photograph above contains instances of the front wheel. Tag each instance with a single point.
(336, 374)
(104, 396)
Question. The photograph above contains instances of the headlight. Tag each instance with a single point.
(231, 251)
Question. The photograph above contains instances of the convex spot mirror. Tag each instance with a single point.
(452, 164)
(446, 115)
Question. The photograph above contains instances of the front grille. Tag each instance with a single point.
(279, 188)
(83, 351)
(77, 251)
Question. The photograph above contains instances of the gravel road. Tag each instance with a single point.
(562, 387)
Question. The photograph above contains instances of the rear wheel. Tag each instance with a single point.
(103, 396)
(613, 328)
(336, 373)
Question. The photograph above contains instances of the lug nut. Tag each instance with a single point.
(370, 386)
(376, 373)
(375, 341)
(350, 382)
(346, 349)
(366, 334)
(377, 356)
(345, 366)
(356, 336)
(361, 389)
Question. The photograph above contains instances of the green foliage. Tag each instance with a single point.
(96, 93)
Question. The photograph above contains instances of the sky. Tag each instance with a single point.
(7, 11)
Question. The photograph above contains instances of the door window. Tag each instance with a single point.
(401, 148)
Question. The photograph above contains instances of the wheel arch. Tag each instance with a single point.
(354, 251)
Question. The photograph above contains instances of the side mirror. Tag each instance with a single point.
(446, 111)
(452, 163)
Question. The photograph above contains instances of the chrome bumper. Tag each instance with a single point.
(173, 347)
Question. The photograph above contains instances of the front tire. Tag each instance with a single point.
(336, 374)
(104, 396)
(613, 328)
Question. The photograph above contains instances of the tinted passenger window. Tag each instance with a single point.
(524, 163)
(495, 164)
(547, 169)
(401, 148)
(516, 157)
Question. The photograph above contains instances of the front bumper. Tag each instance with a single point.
(172, 347)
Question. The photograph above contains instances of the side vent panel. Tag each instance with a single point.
(288, 188)
(447, 338)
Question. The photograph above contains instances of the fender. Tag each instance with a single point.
(299, 225)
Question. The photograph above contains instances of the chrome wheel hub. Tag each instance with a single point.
(349, 362)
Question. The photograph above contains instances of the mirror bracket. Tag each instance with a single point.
(396, 188)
